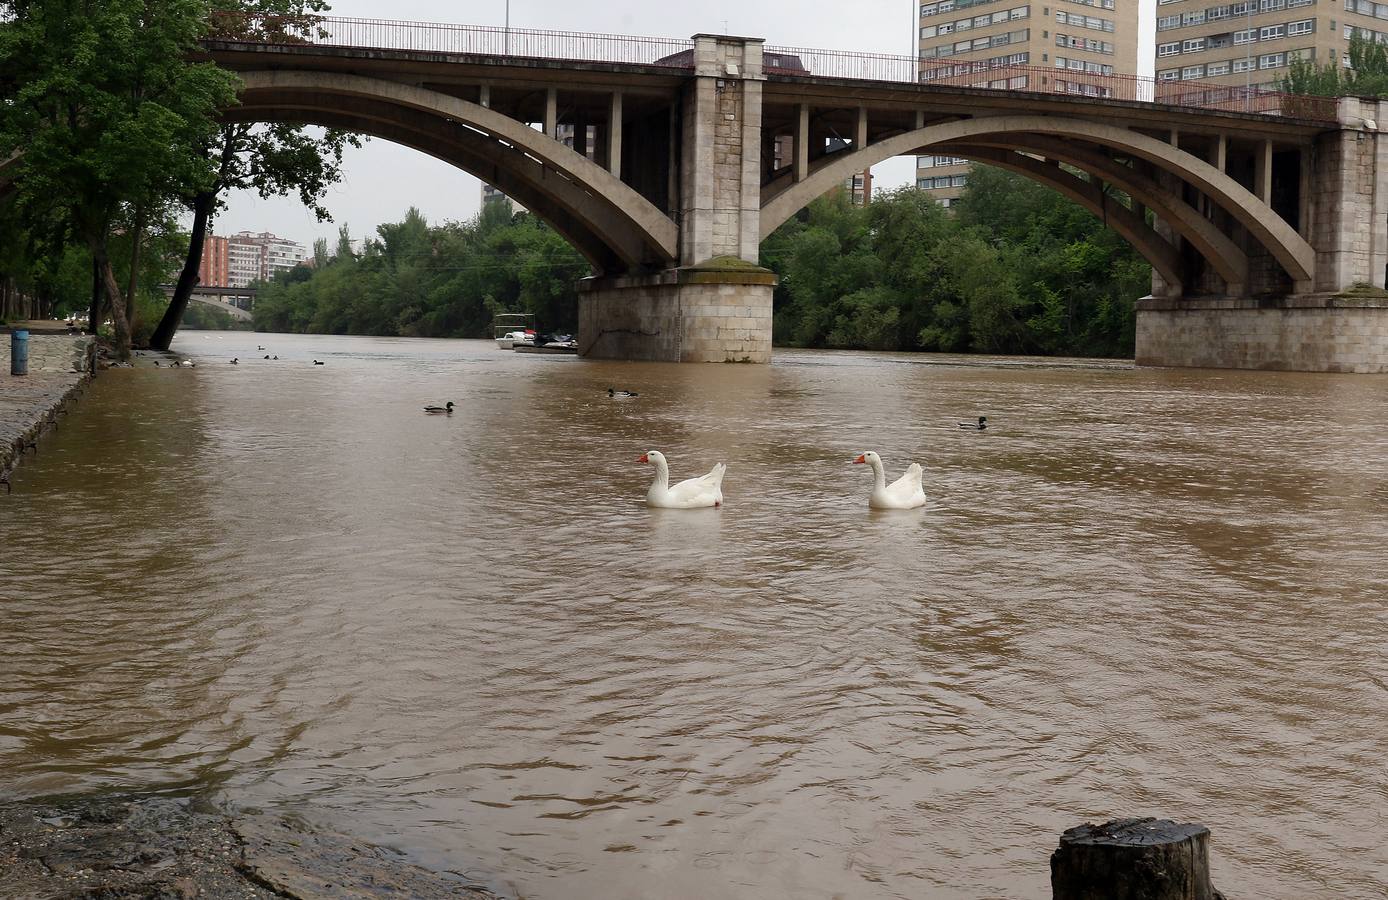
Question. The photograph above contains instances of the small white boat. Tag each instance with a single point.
(511, 329)
(510, 339)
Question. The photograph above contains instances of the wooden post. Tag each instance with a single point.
(1133, 859)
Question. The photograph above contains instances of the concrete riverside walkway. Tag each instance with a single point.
(59, 364)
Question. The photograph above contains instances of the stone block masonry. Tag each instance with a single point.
(717, 312)
(59, 365)
(1341, 333)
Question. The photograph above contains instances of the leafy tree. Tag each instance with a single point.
(273, 159)
(1367, 75)
(415, 279)
(109, 114)
(1015, 268)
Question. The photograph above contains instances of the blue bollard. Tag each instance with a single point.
(19, 352)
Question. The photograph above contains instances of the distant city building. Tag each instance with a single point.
(1086, 47)
(859, 187)
(260, 256)
(1254, 43)
(212, 268)
(491, 195)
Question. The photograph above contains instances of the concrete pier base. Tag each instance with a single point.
(1346, 332)
(719, 311)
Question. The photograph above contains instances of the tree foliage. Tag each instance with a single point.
(1015, 269)
(109, 113)
(418, 280)
(1367, 75)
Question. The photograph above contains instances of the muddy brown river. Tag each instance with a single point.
(1140, 592)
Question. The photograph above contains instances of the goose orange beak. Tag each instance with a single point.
(860, 459)
(643, 458)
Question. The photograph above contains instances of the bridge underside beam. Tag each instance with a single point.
(1291, 251)
(600, 235)
(1218, 250)
(641, 235)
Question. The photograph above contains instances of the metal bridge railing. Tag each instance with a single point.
(575, 46)
(432, 37)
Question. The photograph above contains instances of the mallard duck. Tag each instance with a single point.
(446, 409)
(616, 394)
(317, 363)
(981, 424)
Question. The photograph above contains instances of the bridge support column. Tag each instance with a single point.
(719, 312)
(1338, 322)
(716, 307)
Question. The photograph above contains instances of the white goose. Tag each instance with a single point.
(904, 493)
(695, 493)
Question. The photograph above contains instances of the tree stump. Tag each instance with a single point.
(1133, 859)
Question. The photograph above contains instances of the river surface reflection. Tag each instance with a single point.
(1139, 592)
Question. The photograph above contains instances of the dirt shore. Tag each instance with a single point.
(174, 849)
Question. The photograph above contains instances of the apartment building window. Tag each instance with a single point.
(1219, 41)
(1305, 26)
(1272, 5)
(1216, 69)
(1272, 32)
(1272, 60)
(1195, 45)
(1097, 4)
(1094, 23)
(930, 162)
(1193, 18)
(1293, 4)
(1215, 13)
(1242, 65)
(1366, 8)
(1190, 72)
(1170, 49)
(1165, 23)
(1169, 75)
(1245, 8)
(1247, 36)
(1164, 2)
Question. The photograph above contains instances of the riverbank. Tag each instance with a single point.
(59, 366)
(176, 848)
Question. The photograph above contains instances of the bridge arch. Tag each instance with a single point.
(615, 227)
(780, 201)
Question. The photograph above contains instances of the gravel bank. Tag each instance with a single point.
(167, 849)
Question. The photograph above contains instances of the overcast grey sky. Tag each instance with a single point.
(383, 180)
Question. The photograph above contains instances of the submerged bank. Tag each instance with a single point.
(176, 848)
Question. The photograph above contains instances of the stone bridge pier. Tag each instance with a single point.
(1335, 191)
(716, 305)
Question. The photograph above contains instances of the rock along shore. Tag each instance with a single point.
(178, 849)
(59, 367)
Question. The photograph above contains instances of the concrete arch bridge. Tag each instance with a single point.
(667, 162)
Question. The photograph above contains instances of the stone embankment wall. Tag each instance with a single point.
(59, 365)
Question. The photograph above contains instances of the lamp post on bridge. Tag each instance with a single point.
(506, 51)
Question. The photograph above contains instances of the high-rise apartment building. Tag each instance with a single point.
(1066, 46)
(253, 256)
(1253, 42)
(212, 268)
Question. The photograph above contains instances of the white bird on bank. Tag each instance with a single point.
(904, 493)
(695, 493)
